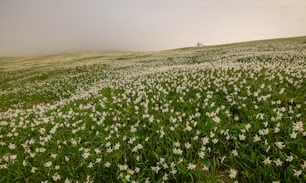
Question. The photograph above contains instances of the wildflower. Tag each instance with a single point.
(85, 155)
(177, 144)
(56, 177)
(67, 180)
(191, 166)
(177, 151)
(205, 140)
(293, 135)
(53, 156)
(216, 119)
(98, 160)
(187, 145)
(13, 157)
(280, 145)
(256, 138)
(278, 162)
(289, 158)
(248, 126)
(234, 152)
(298, 126)
(222, 159)
(12, 146)
(232, 173)
(48, 164)
(156, 169)
(117, 146)
(201, 154)
(107, 164)
(97, 151)
(67, 158)
(276, 130)
(165, 177)
(205, 168)
(241, 136)
(137, 170)
(137, 147)
(90, 165)
(24, 163)
(297, 173)
(33, 170)
(267, 161)
(123, 167)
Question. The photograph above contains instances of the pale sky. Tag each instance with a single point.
(29, 27)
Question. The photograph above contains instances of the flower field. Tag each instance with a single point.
(229, 113)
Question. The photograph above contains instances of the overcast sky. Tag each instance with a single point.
(50, 26)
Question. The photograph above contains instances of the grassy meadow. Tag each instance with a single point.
(227, 113)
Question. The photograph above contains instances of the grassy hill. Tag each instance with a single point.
(223, 113)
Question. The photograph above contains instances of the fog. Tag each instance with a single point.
(31, 27)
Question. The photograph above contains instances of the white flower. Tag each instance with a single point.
(205, 168)
(67, 158)
(216, 119)
(297, 173)
(201, 154)
(85, 155)
(117, 146)
(191, 166)
(165, 177)
(53, 156)
(107, 164)
(67, 180)
(33, 170)
(256, 138)
(12, 146)
(177, 151)
(123, 167)
(156, 169)
(234, 152)
(232, 173)
(205, 140)
(187, 145)
(97, 151)
(98, 160)
(289, 158)
(248, 126)
(24, 163)
(48, 164)
(90, 165)
(137, 147)
(267, 161)
(278, 162)
(276, 130)
(13, 157)
(298, 126)
(56, 177)
(177, 144)
(280, 145)
(241, 136)
(293, 135)
(137, 170)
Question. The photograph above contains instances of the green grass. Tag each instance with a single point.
(209, 114)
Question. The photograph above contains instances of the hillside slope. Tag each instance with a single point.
(228, 113)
